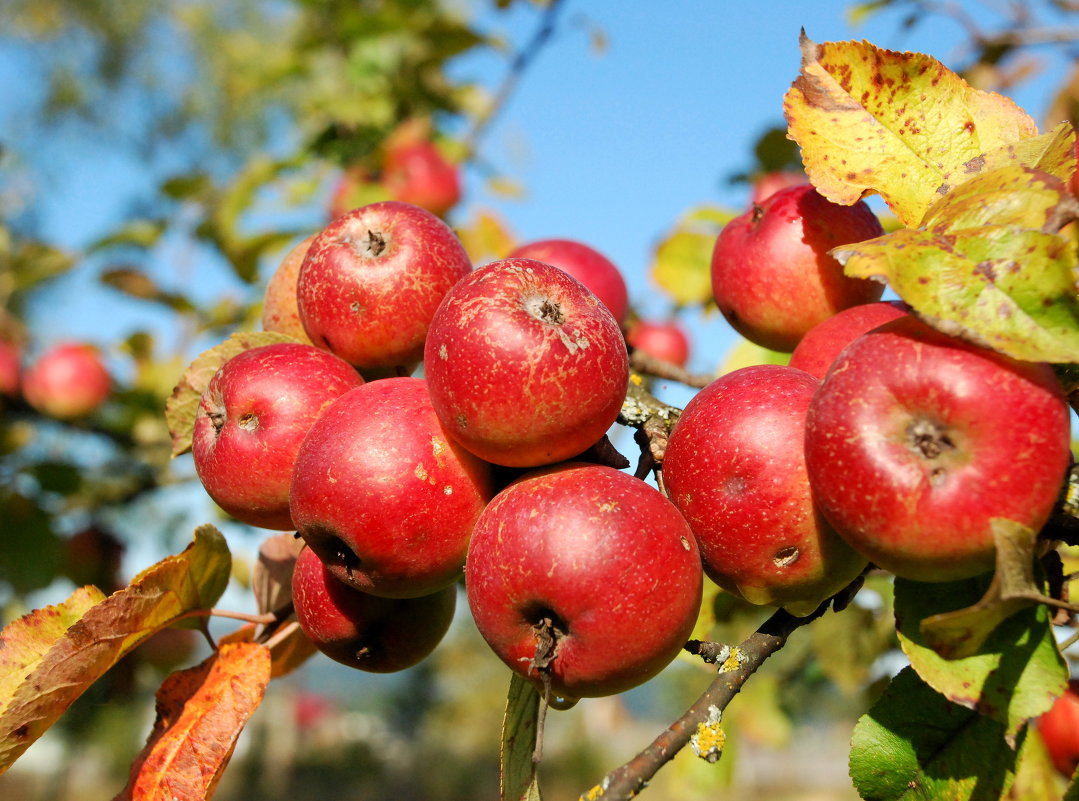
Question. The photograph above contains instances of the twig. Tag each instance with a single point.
(653, 420)
(660, 368)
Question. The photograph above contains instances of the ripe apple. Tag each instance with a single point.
(67, 381)
(372, 279)
(10, 368)
(916, 441)
(584, 263)
(383, 495)
(824, 341)
(772, 276)
(662, 339)
(604, 559)
(280, 308)
(1059, 728)
(418, 173)
(379, 635)
(525, 366)
(735, 468)
(769, 183)
(251, 419)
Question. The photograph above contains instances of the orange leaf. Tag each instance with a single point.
(200, 714)
(289, 653)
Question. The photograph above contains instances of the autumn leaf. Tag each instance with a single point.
(682, 264)
(108, 630)
(200, 714)
(519, 737)
(184, 402)
(291, 650)
(899, 124)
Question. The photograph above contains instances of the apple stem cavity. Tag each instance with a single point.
(930, 439)
(545, 310)
(375, 245)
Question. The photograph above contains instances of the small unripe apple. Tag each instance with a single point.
(585, 574)
(382, 493)
(584, 263)
(372, 279)
(379, 635)
(735, 468)
(664, 340)
(280, 308)
(772, 276)
(418, 173)
(525, 365)
(823, 342)
(67, 381)
(251, 420)
(915, 442)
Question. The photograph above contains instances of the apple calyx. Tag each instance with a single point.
(375, 245)
(931, 442)
(545, 310)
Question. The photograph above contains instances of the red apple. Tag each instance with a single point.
(418, 173)
(771, 182)
(916, 441)
(66, 382)
(525, 366)
(584, 263)
(772, 276)
(663, 340)
(601, 556)
(824, 341)
(372, 279)
(1059, 729)
(379, 635)
(356, 186)
(280, 308)
(735, 468)
(251, 420)
(10, 368)
(383, 495)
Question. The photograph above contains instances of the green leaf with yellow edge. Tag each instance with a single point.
(1052, 153)
(1023, 197)
(182, 405)
(1012, 678)
(520, 734)
(914, 744)
(870, 120)
(1007, 288)
(682, 262)
(104, 633)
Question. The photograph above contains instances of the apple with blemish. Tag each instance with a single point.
(584, 263)
(67, 381)
(585, 575)
(363, 631)
(280, 307)
(372, 279)
(250, 422)
(823, 343)
(382, 493)
(916, 441)
(735, 468)
(772, 276)
(524, 364)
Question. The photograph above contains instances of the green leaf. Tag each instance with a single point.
(1013, 677)
(1014, 195)
(1035, 777)
(1052, 153)
(914, 744)
(31, 554)
(519, 737)
(137, 233)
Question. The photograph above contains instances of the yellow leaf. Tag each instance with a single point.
(486, 237)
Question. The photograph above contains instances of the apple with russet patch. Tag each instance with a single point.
(584, 263)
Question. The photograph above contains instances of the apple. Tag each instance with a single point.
(660, 339)
(251, 420)
(280, 308)
(1059, 729)
(735, 468)
(769, 183)
(525, 366)
(379, 635)
(10, 368)
(772, 276)
(357, 186)
(824, 341)
(382, 493)
(584, 263)
(915, 441)
(68, 381)
(585, 574)
(372, 279)
(418, 173)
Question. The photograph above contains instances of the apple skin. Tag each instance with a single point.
(383, 495)
(661, 339)
(603, 555)
(1059, 729)
(584, 263)
(525, 366)
(772, 276)
(418, 173)
(280, 308)
(10, 368)
(251, 420)
(378, 635)
(735, 469)
(68, 381)
(916, 440)
(821, 345)
(372, 279)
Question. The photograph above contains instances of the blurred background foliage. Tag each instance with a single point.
(242, 115)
